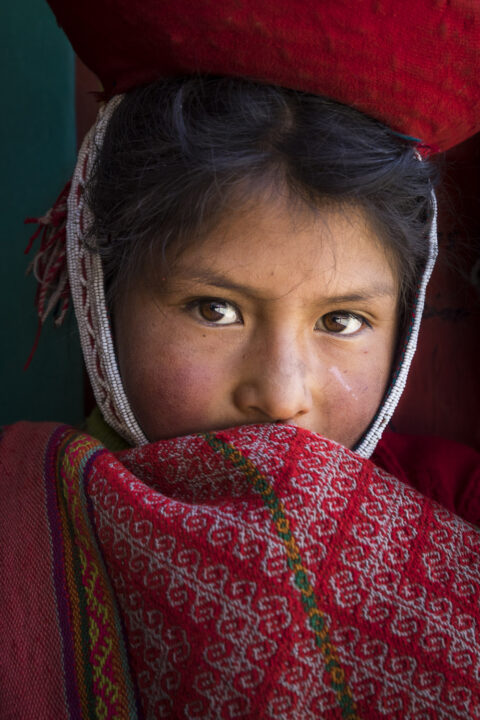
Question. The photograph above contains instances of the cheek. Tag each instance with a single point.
(354, 394)
(171, 392)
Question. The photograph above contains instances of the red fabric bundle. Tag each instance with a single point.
(258, 572)
(414, 65)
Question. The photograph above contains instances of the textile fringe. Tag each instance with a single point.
(49, 266)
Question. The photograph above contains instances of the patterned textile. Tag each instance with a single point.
(259, 572)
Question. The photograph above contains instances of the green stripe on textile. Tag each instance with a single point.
(316, 618)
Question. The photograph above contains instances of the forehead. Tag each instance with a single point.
(275, 249)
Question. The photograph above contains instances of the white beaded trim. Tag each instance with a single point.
(87, 287)
(371, 438)
(88, 293)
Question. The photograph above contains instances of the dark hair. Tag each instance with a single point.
(176, 152)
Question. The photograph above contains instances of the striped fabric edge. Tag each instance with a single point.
(97, 678)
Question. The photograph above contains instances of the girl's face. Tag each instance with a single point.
(274, 317)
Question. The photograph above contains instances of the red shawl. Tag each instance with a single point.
(259, 572)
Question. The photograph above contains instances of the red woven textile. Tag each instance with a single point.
(414, 65)
(260, 572)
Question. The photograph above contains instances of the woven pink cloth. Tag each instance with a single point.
(259, 572)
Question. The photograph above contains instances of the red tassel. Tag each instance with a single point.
(50, 265)
(34, 346)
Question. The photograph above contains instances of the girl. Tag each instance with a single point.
(248, 266)
(250, 233)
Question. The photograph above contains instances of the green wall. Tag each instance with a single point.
(37, 136)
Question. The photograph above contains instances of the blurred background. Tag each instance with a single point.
(38, 137)
(49, 103)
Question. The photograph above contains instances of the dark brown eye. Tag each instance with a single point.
(218, 312)
(340, 323)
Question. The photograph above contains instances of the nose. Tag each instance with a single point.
(274, 386)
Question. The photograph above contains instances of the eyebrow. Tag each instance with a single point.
(218, 279)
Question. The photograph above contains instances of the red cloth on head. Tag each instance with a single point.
(414, 65)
